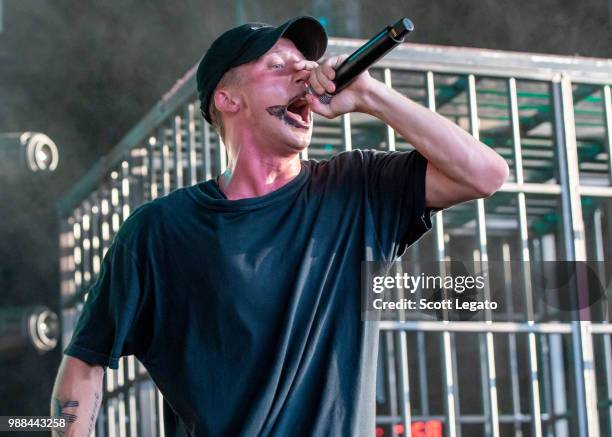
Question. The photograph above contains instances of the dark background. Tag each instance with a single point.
(85, 72)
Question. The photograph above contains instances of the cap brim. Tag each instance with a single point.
(308, 35)
(305, 32)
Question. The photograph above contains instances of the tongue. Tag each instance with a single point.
(295, 116)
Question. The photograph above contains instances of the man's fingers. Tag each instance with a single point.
(329, 71)
(306, 65)
(323, 74)
(336, 61)
(324, 80)
(314, 83)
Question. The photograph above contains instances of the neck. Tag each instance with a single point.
(253, 172)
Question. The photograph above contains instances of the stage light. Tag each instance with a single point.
(28, 326)
(34, 150)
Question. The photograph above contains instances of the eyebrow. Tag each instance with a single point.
(276, 51)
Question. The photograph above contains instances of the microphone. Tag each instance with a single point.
(366, 55)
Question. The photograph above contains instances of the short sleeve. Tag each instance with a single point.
(396, 198)
(107, 327)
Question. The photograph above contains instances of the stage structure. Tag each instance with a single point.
(549, 116)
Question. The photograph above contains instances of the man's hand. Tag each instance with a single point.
(353, 98)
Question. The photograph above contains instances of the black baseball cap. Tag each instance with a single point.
(248, 42)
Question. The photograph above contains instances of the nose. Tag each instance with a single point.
(301, 75)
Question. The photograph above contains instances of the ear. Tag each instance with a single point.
(226, 101)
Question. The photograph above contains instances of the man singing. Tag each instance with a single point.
(241, 294)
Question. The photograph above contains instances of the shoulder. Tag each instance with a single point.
(154, 213)
(350, 162)
(360, 158)
(138, 225)
(360, 162)
(148, 226)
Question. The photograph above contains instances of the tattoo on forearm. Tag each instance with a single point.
(94, 413)
(65, 411)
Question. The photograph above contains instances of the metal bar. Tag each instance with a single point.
(451, 394)
(594, 191)
(601, 328)
(515, 126)
(391, 379)
(133, 412)
(390, 131)
(512, 348)
(152, 170)
(404, 381)
(165, 160)
(565, 137)
(77, 254)
(102, 419)
(206, 148)
(483, 62)
(346, 132)
(192, 177)
(125, 191)
(582, 347)
(422, 366)
(151, 394)
(536, 412)
(486, 340)
(466, 418)
(106, 218)
(222, 156)
(178, 152)
(160, 414)
(67, 264)
(112, 420)
(605, 345)
(497, 327)
(546, 383)
(86, 242)
(122, 416)
(557, 378)
(607, 102)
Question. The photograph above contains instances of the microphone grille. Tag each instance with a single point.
(325, 98)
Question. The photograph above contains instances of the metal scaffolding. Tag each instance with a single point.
(550, 117)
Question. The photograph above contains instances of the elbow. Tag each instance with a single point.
(496, 175)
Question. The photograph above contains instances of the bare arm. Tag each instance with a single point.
(460, 167)
(77, 395)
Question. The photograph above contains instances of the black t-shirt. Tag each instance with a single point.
(246, 313)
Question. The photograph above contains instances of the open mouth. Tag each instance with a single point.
(296, 113)
(299, 110)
